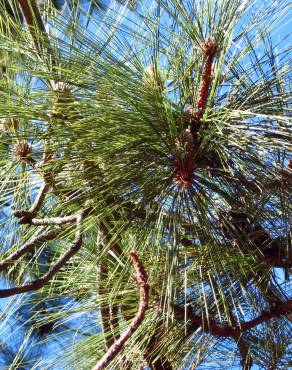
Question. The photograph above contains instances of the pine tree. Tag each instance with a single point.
(145, 180)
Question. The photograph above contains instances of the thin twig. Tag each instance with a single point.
(39, 283)
(28, 246)
(141, 278)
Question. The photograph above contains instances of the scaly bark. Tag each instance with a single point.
(210, 326)
(185, 162)
(118, 345)
(28, 246)
(40, 282)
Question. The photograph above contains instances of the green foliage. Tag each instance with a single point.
(81, 110)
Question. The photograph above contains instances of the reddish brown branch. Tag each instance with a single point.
(39, 283)
(104, 308)
(184, 163)
(209, 49)
(141, 278)
(249, 235)
(243, 348)
(284, 309)
(31, 14)
(28, 246)
(210, 326)
(26, 216)
(246, 359)
(155, 361)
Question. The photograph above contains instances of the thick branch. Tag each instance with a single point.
(28, 246)
(209, 49)
(153, 360)
(31, 14)
(104, 308)
(246, 360)
(39, 283)
(25, 217)
(239, 226)
(210, 326)
(141, 278)
(284, 309)
(185, 162)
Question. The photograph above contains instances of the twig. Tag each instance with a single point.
(200, 354)
(40, 238)
(246, 360)
(24, 217)
(39, 283)
(118, 345)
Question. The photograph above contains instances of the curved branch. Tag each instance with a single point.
(210, 326)
(25, 217)
(118, 345)
(39, 283)
(284, 309)
(40, 238)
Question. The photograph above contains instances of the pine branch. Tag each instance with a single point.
(40, 282)
(53, 220)
(28, 246)
(103, 306)
(239, 226)
(210, 326)
(154, 361)
(246, 360)
(26, 216)
(184, 164)
(32, 16)
(118, 345)
(244, 351)
(209, 49)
